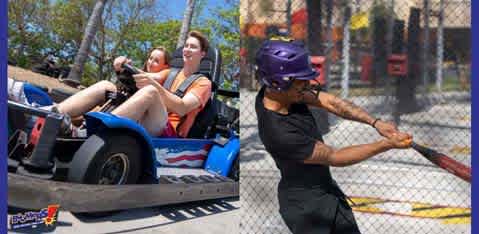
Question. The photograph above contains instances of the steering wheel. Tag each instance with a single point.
(126, 78)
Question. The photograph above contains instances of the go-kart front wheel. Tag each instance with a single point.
(109, 158)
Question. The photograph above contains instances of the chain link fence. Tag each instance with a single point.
(403, 61)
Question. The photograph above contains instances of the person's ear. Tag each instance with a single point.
(203, 54)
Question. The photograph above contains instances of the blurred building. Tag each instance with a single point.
(258, 16)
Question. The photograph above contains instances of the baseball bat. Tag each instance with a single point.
(445, 162)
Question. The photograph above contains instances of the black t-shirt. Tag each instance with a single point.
(290, 139)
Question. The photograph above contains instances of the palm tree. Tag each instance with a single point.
(185, 26)
(77, 70)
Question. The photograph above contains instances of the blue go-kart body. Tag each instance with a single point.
(213, 155)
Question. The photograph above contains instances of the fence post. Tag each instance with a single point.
(425, 48)
(345, 54)
(379, 48)
(389, 45)
(397, 46)
(330, 44)
(407, 87)
(440, 47)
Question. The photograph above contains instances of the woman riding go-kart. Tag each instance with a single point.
(129, 145)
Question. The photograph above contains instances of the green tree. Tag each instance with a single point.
(122, 19)
(223, 30)
(146, 35)
(90, 31)
(25, 32)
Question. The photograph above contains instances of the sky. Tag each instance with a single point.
(176, 8)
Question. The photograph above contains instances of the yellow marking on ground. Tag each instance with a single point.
(447, 215)
(443, 213)
(463, 220)
(461, 150)
(439, 212)
(370, 209)
(465, 118)
(360, 200)
(361, 204)
(416, 205)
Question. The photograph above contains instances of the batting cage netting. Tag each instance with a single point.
(405, 61)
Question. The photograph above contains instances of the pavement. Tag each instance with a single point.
(395, 192)
(204, 217)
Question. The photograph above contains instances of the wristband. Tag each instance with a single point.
(374, 122)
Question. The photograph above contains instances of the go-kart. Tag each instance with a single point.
(117, 165)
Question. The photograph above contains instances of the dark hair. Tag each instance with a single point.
(160, 48)
(203, 41)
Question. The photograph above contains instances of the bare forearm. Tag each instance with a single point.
(354, 154)
(346, 156)
(173, 102)
(337, 106)
(348, 110)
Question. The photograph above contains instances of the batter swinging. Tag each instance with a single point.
(309, 198)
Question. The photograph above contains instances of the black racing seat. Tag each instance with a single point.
(210, 67)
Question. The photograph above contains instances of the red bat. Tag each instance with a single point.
(445, 162)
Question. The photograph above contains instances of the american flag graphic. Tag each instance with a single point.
(182, 156)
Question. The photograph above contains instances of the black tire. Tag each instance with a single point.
(103, 152)
(124, 156)
(234, 173)
(110, 158)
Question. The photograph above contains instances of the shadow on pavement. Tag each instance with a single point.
(174, 213)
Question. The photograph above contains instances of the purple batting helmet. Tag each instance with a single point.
(279, 63)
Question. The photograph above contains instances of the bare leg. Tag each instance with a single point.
(86, 99)
(147, 108)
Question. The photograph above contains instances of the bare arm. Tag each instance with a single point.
(343, 108)
(181, 106)
(333, 104)
(326, 155)
(349, 110)
(145, 78)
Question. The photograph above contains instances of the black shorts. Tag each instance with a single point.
(314, 211)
